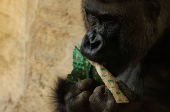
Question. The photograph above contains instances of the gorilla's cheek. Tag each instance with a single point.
(137, 36)
(135, 39)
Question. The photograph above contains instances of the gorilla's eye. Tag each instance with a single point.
(92, 20)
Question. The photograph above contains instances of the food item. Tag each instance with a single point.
(84, 68)
(111, 83)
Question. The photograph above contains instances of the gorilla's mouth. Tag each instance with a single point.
(111, 59)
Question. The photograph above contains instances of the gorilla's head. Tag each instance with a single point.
(122, 32)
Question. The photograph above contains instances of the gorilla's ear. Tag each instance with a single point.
(58, 93)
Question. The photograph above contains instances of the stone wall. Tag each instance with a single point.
(36, 42)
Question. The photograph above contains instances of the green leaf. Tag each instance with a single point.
(110, 80)
(105, 76)
(82, 68)
(102, 69)
(117, 93)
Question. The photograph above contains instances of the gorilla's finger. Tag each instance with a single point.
(111, 106)
(78, 88)
(98, 95)
(99, 89)
(97, 99)
(85, 84)
(68, 96)
(79, 103)
(108, 93)
(82, 100)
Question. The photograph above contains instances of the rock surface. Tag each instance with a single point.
(37, 38)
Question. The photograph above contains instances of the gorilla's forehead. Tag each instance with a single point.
(116, 8)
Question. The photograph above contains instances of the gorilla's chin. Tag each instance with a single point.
(115, 62)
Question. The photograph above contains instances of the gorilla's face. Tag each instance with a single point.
(121, 32)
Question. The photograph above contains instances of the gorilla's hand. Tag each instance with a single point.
(77, 97)
(102, 100)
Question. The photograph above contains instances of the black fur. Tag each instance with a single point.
(58, 94)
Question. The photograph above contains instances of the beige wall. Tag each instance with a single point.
(36, 42)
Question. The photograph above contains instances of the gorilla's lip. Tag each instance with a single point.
(104, 61)
(99, 59)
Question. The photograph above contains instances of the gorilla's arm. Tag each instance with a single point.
(59, 92)
(83, 97)
(102, 101)
(80, 98)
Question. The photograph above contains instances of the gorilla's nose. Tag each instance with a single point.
(92, 44)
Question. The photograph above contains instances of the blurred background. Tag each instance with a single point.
(37, 38)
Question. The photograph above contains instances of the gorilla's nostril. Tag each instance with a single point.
(95, 45)
(92, 44)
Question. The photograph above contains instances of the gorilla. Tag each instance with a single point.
(131, 38)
